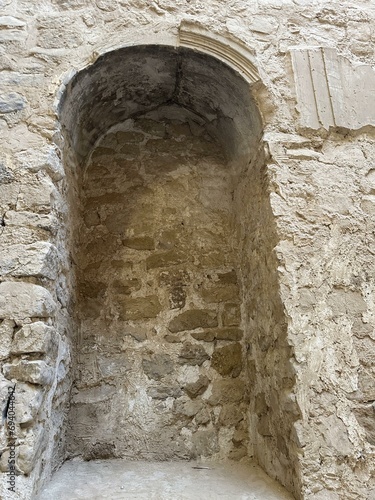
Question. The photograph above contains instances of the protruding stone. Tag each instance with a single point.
(193, 319)
(35, 338)
(28, 400)
(34, 372)
(25, 300)
(38, 259)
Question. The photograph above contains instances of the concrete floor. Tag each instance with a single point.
(123, 480)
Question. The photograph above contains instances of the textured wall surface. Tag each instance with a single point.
(307, 306)
(159, 298)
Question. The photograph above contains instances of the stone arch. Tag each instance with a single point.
(203, 81)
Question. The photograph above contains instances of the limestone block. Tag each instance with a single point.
(140, 243)
(34, 160)
(27, 453)
(193, 354)
(166, 259)
(227, 391)
(205, 442)
(25, 300)
(336, 435)
(193, 319)
(34, 372)
(38, 259)
(346, 302)
(36, 196)
(366, 418)
(9, 103)
(95, 394)
(164, 391)
(227, 360)
(35, 337)
(28, 400)
(11, 22)
(198, 387)
(139, 308)
(231, 414)
(6, 175)
(187, 407)
(231, 315)
(158, 366)
(30, 219)
(126, 287)
(6, 336)
(220, 293)
(219, 334)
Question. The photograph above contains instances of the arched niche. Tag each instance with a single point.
(197, 364)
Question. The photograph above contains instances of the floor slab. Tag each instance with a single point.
(124, 480)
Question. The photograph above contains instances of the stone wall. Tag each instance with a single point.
(319, 280)
(159, 371)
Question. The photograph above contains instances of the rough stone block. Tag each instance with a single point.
(187, 407)
(231, 315)
(216, 293)
(205, 443)
(346, 302)
(6, 336)
(28, 400)
(164, 391)
(34, 372)
(366, 418)
(6, 175)
(129, 136)
(12, 102)
(231, 414)
(227, 360)
(227, 391)
(139, 243)
(35, 337)
(127, 286)
(158, 366)
(25, 300)
(38, 259)
(193, 319)
(165, 259)
(139, 308)
(30, 219)
(193, 354)
(36, 196)
(45, 159)
(198, 387)
(218, 334)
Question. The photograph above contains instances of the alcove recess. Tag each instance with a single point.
(179, 347)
